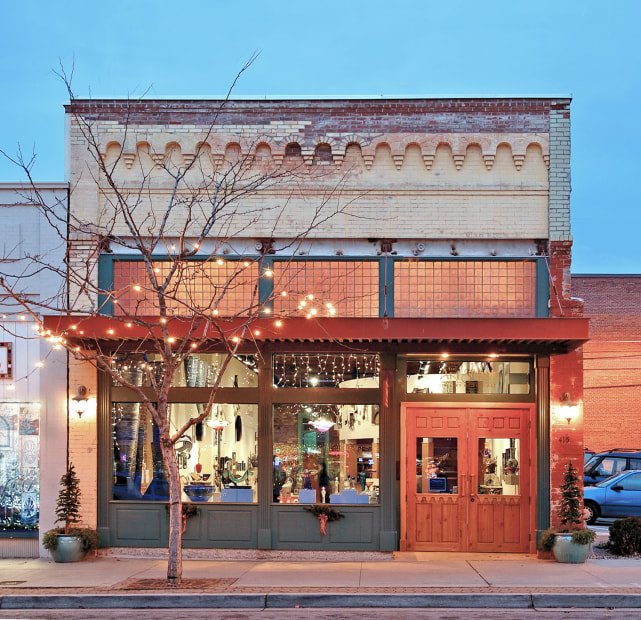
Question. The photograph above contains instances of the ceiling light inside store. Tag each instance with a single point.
(322, 425)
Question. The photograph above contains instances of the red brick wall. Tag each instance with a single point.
(612, 361)
(329, 116)
(566, 375)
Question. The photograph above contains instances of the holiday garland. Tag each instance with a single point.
(324, 513)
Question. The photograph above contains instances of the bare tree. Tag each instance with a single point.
(176, 236)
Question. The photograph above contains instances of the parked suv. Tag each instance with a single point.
(606, 464)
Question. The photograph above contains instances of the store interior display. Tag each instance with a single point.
(487, 376)
(217, 459)
(498, 465)
(326, 454)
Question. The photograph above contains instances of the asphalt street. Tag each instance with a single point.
(329, 614)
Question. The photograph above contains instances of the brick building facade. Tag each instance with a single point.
(455, 213)
(612, 359)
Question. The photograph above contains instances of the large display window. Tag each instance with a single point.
(217, 458)
(326, 454)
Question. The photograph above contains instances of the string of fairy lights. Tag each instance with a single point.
(57, 343)
(306, 304)
(332, 368)
(323, 369)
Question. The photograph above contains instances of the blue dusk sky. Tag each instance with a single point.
(588, 49)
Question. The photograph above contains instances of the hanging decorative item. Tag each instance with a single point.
(324, 514)
(239, 428)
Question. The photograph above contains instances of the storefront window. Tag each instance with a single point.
(332, 370)
(19, 466)
(200, 370)
(224, 286)
(218, 459)
(326, 453)
(499, 466)
(442, 376)
(460, 288)
(326, 288)
(437, 465)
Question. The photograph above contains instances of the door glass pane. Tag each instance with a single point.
(499, 469)
(436, 465)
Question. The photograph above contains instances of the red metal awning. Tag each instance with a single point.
(554, 335)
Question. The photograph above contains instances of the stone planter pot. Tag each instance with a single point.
(566, 551)
(68, 549)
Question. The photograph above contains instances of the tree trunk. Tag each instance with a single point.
(175, 561)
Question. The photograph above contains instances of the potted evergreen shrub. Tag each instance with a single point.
(67, 543)
(570, 544)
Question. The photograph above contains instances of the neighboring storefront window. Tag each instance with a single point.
(19, 466)
(443, 376)
(326, 453)
(331, 370)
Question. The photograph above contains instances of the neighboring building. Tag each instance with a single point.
(440, 364)
(24, 410)
(612, 360)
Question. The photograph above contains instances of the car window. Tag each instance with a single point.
(630, 483)
(610, 465)
(606, 482)
(635, 464)
(591, 462)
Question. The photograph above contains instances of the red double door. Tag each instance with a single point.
(467, 478)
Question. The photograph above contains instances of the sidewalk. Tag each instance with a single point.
(402, 580)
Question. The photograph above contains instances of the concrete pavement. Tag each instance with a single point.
(399, 580)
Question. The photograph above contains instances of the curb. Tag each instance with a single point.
(328, 601)
(133, 601)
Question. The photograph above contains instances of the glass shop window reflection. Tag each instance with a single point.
(326, 454)
(217, 459)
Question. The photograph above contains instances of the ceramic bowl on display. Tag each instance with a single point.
(199, 492)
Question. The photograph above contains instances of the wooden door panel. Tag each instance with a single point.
(433, 520)
(501, 522)
(437, 522)
(497, 524)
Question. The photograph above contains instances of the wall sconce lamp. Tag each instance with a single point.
(569, 409)
(80, 400)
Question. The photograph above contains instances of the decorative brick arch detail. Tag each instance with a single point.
(353, 139)
(325, 140)
(398, 144)
(111, 145)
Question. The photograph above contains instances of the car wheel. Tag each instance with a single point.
(591, 512)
